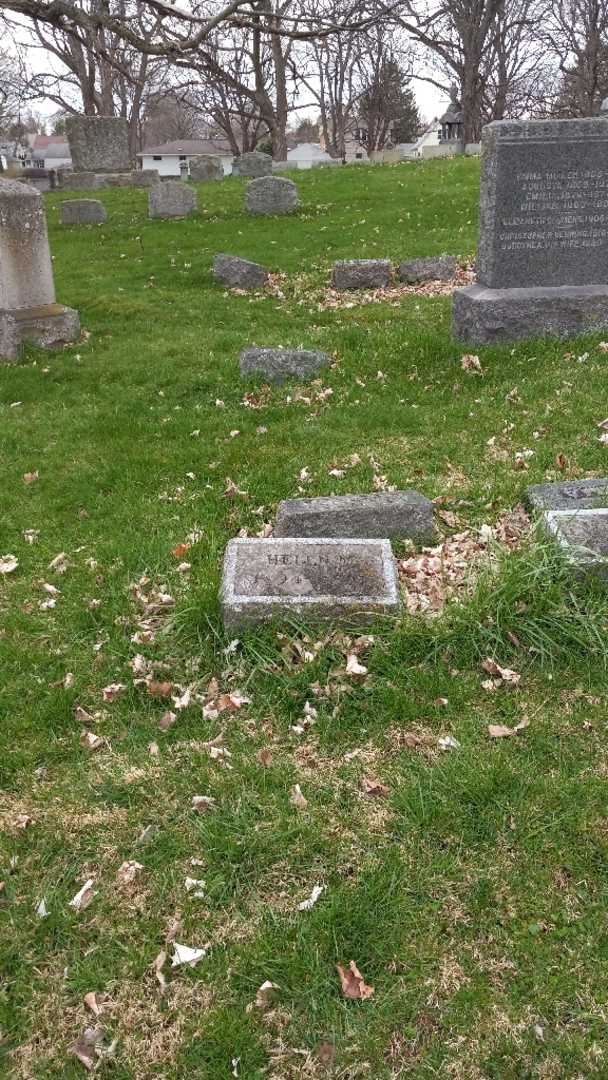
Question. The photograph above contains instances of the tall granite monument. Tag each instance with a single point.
(101, 157)
(28, 310)
(542, 263)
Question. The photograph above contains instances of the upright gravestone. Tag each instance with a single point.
(252, 164)
(206, 167)
(28, 311)
(269, 195)
(171, 199)
(542, 264)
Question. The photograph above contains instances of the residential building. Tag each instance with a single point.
(168, 156)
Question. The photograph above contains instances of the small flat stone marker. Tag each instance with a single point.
(239, 273)
(361, 274)
(171, 199)
(384, 515)
(279, 364)
(440, 268)
(270, 195)
(307, 579)
(83, 212)
(583, 536)
(571, 495)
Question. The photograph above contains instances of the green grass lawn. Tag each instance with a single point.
(472, 894)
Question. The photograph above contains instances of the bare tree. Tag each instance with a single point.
(576, 33)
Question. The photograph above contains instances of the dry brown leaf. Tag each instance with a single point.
(202, 803)
(30, 477)
(501, 731)
(128, 871)
(264, 757)
(85, 1047)
(179, 551)
(113, 691)
(561, 462)
(92, 1003)
(506, 675)
(90, 741)
(160, 689)
(167, 720)
(353, 667)
(372, 787)
(8, 563)
(353, 985)
(157, 967)
(264, 994)
(472, 364)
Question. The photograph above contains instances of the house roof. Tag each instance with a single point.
(41, 142)
(189, 147)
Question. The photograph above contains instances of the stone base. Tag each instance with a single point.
(49, 327)
(483, 316)
(91, 181)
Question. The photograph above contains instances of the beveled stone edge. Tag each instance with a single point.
(576, 554)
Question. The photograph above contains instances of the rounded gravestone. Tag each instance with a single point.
(253, 164)
(206, 167)
(171, 199)
(270, 195)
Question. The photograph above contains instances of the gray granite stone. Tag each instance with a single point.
(542, 263)
(384, 514)
(440, 268)
(484, 316)
(26, 273)
(543, 203)
(99, 143)
(361, 274)
(280, 364)
(239, 273)
(79, 181)
(145, 177)
(91, 181)
(271, 195)
(583, 537)
(252, 164)
(82, 212)
(49, 326)
(307, 579)
(171, 199)
(205, 167)
(568, 495)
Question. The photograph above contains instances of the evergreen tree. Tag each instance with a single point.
(388, 109)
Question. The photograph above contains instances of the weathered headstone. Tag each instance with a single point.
(439, 268)
(183, 171)
(239, 273)
(171, 199)
(99, 144)
(82, 212)
(405, 515)
(362, 274)
(206, 167)
(307, 579)
(542, 264)
(28, 310)
(280, 364)
(583, 538)
(569, 495)
(252, 164)
(271, 195)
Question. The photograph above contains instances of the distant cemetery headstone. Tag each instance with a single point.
(270, 195)
(439, 268)
(172, 199)
(205, 167)
(239, 273)
(280, 364)
(252, 164)
(405, 515)
(362, 273)
(583, 537)
(82, 212)
(542, 265)
(99, 143)
(308, 579)
(28, 310)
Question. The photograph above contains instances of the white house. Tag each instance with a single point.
(429, 137)
(168, 156)
(306, 155)
(50, 152)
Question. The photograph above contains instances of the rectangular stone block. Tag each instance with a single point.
(362, 274)
(583, 537)
(26, 273)
(307, 579)
(383, 515)
(570, 495)
(484, 316)
(82, 212)
(543, 203)
(279, 364)
(50, 327)
(99, 143)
